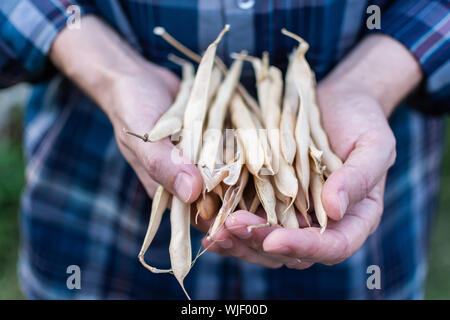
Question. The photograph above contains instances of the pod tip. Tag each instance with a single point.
(159, 31)
(235, 55)
(322, 230)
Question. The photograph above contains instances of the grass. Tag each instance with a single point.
(12, 179)
(11, 182)
(438, 284)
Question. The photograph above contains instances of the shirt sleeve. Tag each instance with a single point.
(27, 31)
(423, 27)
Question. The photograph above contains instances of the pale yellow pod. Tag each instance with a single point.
(266, 194)
(172, 120)
(228, 173)
(262, 83)
(216, 80)
(330, 159)
(194, 116)
(271, 112)
(316, 185)
(302, 127)
(247, 134)
(160, 31)
(180, 240)
(196, 108)
(208, 206)
(285, 177)
(289, 115)
(235, 167)
(286, 181)
(231, 199)
(286, 215)
(255, 204)
(305, 75)
(316, 157)
(263, 138)
(261, 69)
(159, 206)
(255, 112)
(219, 191)
(302, 205)
(211, 179)
(250, 101)
(302, 139)
(212, 137)
(242, 205)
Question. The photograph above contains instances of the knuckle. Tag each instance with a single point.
(153, 164)
(362, 179)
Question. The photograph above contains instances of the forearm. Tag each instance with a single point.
(94, 58)
(380, 67)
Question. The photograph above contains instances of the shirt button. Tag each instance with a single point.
(245, 4)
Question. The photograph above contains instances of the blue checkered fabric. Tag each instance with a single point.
(83, 205)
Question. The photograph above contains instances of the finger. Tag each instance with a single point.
(147, 182)
(166, 165)
(363, 169)
(198, 222)
(339, 241)
(228, 245)
(238, 224)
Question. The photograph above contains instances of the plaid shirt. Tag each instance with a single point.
(83, 205)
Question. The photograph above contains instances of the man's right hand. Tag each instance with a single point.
(137, 102)
(133, 93)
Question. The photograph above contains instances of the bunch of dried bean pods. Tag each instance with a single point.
(232, 137)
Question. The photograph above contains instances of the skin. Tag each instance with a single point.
(355, 99)
(133, 94)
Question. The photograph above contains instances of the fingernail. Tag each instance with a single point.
(226, 243)
(343, 202)
(183, 186)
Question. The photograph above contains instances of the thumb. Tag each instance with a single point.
(363, 169)
(166, 165)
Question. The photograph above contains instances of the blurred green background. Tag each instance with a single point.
(12, 180)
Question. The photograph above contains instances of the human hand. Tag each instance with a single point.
(355, 101)
(352, 196)
(136, 103)
(133, 93)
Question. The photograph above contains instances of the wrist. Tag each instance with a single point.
(95, 58)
